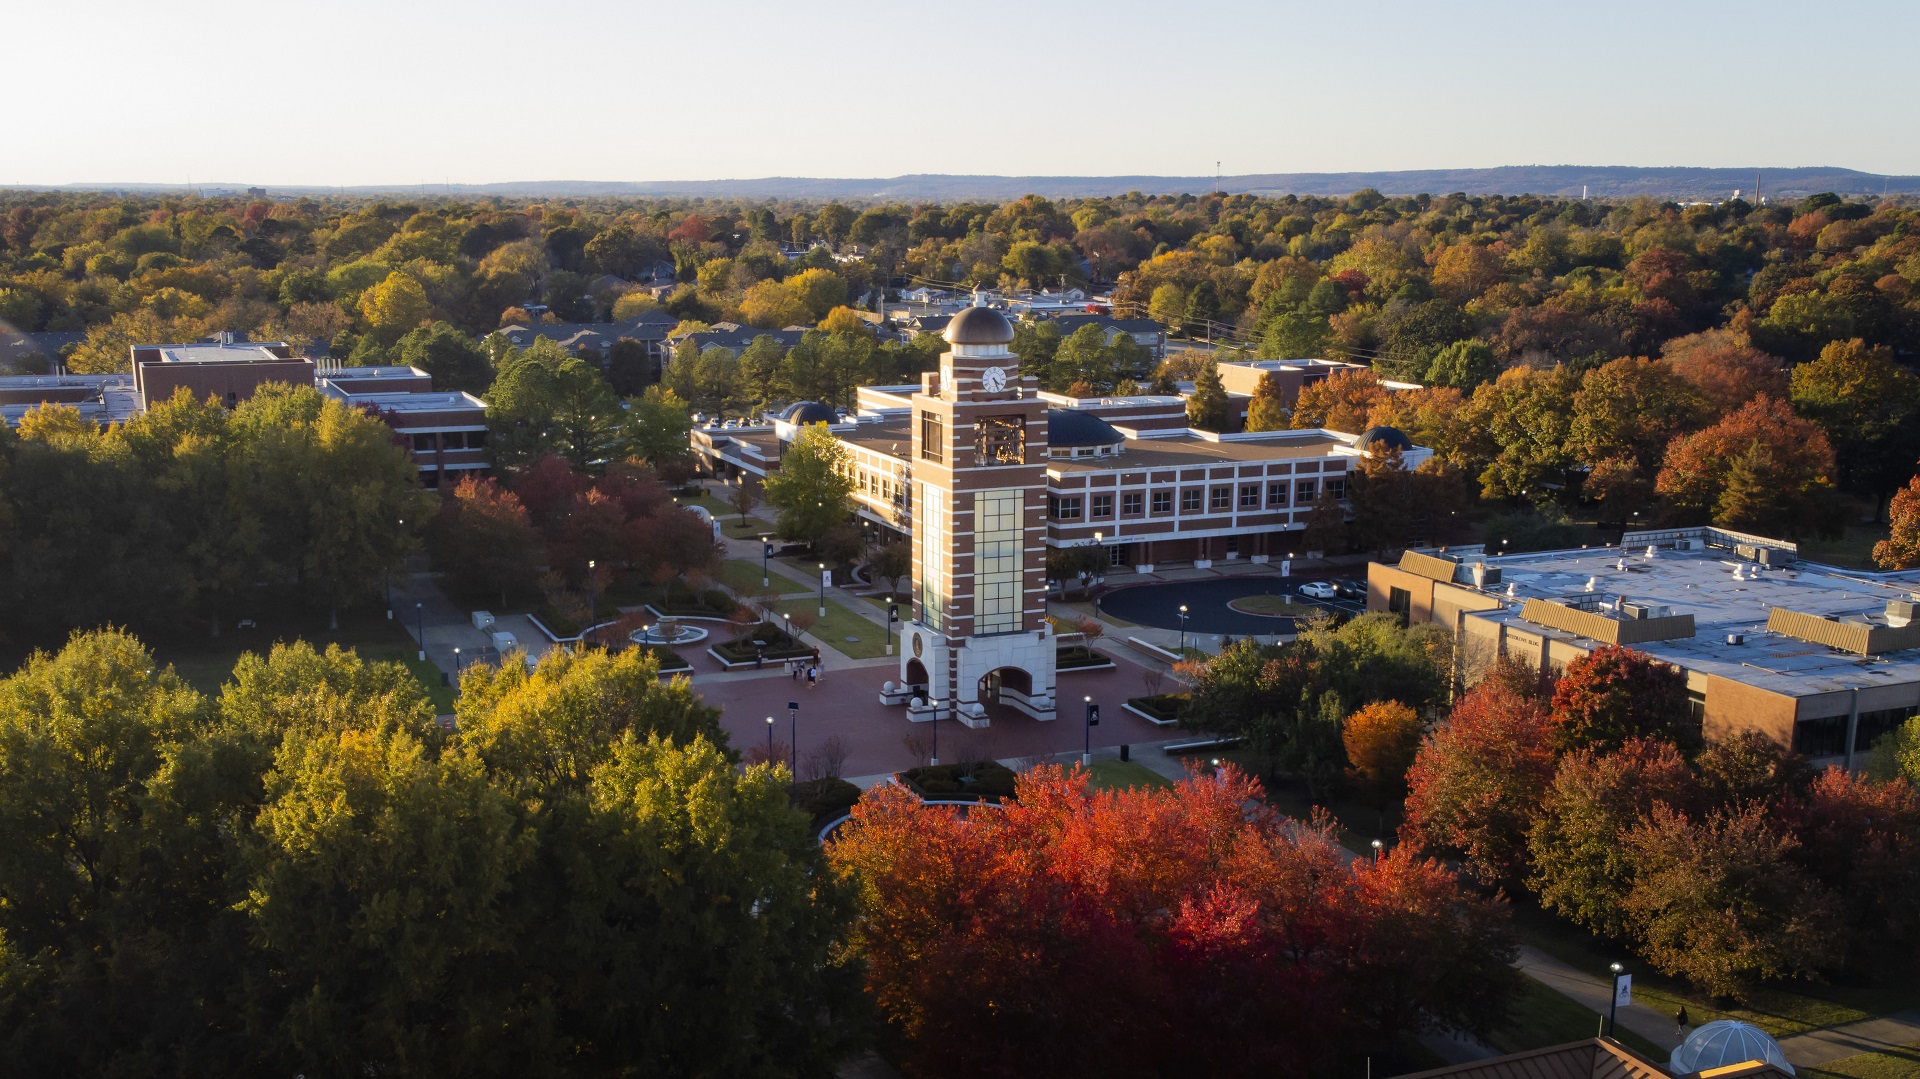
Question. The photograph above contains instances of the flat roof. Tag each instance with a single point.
(64, 382)
(1186, 449)
(1701, 583)
(434, 401)
(387, 371)
(205, 352)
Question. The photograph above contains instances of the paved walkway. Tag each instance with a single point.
(1896, 1035)
(1596, 994)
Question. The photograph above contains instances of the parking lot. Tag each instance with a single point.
(1159, 605)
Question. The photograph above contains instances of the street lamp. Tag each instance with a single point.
(456, 661)
(769, 739)
(420, 623)
(593, 602)
(1613, 1010)
(766, 552)
(1183, 631)
(1093, 720)
(1376, 850)
(790, 641)
(823, 589)
(893, 615)
(793, 735)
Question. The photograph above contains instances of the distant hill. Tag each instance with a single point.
(1601, 181)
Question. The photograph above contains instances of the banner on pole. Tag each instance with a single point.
(1622, 990)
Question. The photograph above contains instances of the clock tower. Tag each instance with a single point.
(979, 634)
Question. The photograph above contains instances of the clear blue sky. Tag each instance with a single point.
(421, 91)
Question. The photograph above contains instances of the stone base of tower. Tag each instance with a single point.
(961, 677)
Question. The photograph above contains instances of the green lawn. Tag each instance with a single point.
(1895, 1064)
(1854, 549)
(743, 576)
(207, 662)
(1117, 775)
(1541, 1017)
(1780, 1010)
(838, 625)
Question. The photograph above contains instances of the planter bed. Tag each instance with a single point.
(671, 662)
(985, 781)
(1161, 709)
(1080, 658)
(745, 651)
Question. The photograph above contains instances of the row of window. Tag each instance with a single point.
(1827, 737)
(880, 485)
(1217, 499)
(450, 440)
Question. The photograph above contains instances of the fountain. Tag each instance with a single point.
(667, 631)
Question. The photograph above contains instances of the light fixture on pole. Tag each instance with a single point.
(593, 601)
(766, 552)
(456, 661)
(1622, 993)
(1377, 845)
(769, 739)
(420, 623)
(823, 589)
(1093, 720)
(1183, 631)
(793, 735)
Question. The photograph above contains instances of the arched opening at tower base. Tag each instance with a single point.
(1008, 690)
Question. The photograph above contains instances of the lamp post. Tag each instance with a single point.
(1183, 631)
(1613, 1010)
(934, 760)
(893, 615)
(766, 552)
(823, 589)
(790, 641)
(420, 623)
(769, 739)
(593, 602)
(1093, 720)
(1377, 845)
(793, 736)
(456, 661)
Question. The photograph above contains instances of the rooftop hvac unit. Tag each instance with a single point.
(1630, 609)
(1900, 612)
(1736, 638)
(1688, 543)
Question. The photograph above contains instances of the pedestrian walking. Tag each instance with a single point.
(1680, 1021)
(813, 675)
(794, 666)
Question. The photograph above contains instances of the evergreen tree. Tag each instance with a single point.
(1207, 408)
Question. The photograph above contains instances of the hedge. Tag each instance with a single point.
(986, 781)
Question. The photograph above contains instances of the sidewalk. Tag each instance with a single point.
(1895, 1034)
(1595, 994)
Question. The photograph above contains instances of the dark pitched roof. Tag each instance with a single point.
(1595, 1058)
(1072, 427)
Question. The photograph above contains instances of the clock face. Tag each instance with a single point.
(994, 379)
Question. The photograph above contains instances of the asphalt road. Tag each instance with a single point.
(1206, 601)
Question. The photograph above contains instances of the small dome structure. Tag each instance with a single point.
(1067, 428)
(1383, 438)
(802, 413)
(979, 326)
(1725, 1042)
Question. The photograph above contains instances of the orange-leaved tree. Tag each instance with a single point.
(1381, 741)
(1151, 932)
(1478, 779)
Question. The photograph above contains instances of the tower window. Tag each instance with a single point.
(933, 437)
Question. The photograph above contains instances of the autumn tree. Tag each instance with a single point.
(1720, 901)
(1207, 408)
(1524, 418)
(1463, 365)
(1478, 778)
(484, 540)
(1268, 411)
(1624, 415)
(1785, 475)
(1339, 402)
(812, 491)
(1869, 407)
(1901, 548)
(1614, 694)
(545, 401)
(1381, 740)
(1581, 869)
(1269, 952)
(1725, 368)
(394, 306)
(656, 429)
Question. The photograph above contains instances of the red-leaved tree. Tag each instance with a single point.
(1153, 932)
(1614, 694)
(1477, 781)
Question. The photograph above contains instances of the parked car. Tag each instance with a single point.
(1319, 589)
(1351, 589)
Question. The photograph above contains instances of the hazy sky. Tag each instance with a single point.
(402, 91)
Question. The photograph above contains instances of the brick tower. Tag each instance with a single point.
(979, 633)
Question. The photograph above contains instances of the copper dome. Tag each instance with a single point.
(979, 326)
